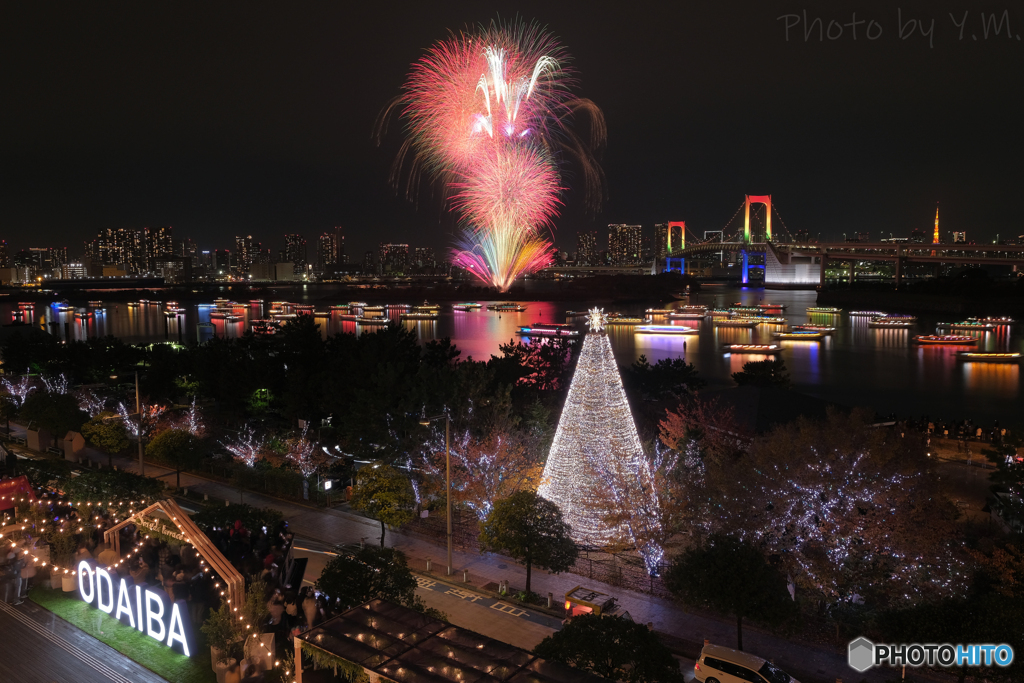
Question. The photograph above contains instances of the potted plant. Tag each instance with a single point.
(225, 642)
(62, 546)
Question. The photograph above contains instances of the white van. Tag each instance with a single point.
(718, 664)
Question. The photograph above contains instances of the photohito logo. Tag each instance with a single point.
(862, 654)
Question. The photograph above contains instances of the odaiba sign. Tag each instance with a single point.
(146, 610)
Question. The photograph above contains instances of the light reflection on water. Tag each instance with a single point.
(856, 365)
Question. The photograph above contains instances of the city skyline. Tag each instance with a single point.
(173, 124)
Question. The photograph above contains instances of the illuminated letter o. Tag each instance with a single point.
(83, 571)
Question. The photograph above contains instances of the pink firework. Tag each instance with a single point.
(486, 113)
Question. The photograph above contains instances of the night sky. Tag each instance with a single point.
(258, 118)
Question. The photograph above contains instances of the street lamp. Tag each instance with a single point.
(425, 421)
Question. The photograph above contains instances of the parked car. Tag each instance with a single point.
(718, 664)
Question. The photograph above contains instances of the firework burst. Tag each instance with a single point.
(487, 113)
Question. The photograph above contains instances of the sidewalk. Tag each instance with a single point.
(807, 662)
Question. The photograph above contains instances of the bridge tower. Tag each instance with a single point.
(679, 262)
(765, 199)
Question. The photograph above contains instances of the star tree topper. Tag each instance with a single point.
(597, 319)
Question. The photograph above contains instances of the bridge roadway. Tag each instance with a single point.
(899, 253)
(916, 252)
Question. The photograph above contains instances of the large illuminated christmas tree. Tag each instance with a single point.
(596, 471)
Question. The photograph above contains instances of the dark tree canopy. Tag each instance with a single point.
(732, 577)
(763, 373)
(613, 647)
(669, 377)
(56, 413)
(369, 573)
(385, 494)
(530, 529)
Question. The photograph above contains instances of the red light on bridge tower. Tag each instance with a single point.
(682, 234)
(765, 199)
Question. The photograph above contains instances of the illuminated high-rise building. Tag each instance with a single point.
(5, 257)
(423, 257)
(394, 258)
(295, 253)
(625, 244)
(158, 241)
(245, 252)
(935, 236)
(586, 248)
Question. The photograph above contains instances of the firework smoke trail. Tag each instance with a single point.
(486, 112)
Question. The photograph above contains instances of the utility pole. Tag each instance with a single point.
(425, 421)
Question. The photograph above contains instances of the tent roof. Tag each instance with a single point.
(403, 645)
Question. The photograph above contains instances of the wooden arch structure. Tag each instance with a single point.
(234, 581)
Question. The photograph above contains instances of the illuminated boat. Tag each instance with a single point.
(947, 339)
(889, 324)
(468, 306)
(772, 307)
(767, 319)
(658, 311)
(508, 306)
(340, 307)
(825, 309)
(694, 308)
(133, 304)
(576, 314)
(26, 304)
(816, 328)
(737, 322)
(994, 321)
(744, 309)
(622, 320)
(83, 314)
(356, 304)
(348, 316)
(665, 329)
(799, 334)
(372, 322)
(218, 314)
(688, 315)
(373, 309)
(265, 327)
(866, 314)
(967, 325)
(279, 316)
(220, 302)
(419, 315)
(720, 313)
(94, 304)
(426, 307)
(256, 302)
(321, 314)
(900, 316)
(234, 318)
(547, 330)
(986, 357)
(752, 348)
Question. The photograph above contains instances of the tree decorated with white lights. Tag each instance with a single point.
(596, 467)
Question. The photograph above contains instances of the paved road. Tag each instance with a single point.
(39, 647)
(333, 526)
